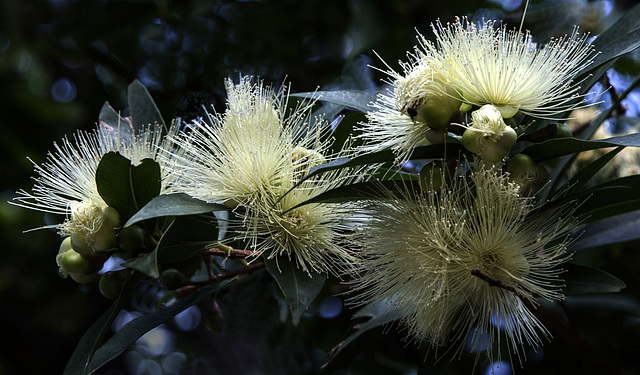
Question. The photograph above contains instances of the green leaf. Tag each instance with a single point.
(379, 314)
(298, 287)
(578, 181)
(177, 204)
(133, 330)
(617, 229)
(142, 107)
(437, 151)
(93, 337)
(186, 236)
(125, 187)
(113, 125)
(363, 190)
(618, 39)
(556, 147)
(582, 280)
(358, 100)
(614, 197)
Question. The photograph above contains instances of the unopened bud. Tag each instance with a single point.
(131, 238)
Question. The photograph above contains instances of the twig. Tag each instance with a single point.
(229, 252)
(477, 273)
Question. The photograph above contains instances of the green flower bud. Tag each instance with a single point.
(563, 132)
(525, 172)
(173, 279)
(432, 176)
(73, 262)
(131, 238)
(92, 229)
(436, 136)
(111, 284)
(82, 278)
(489, 136)
(439, 111)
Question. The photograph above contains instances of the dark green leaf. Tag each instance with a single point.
(608, 199)
(358, 100)
(556, 147)
(617, 229)
(125, 187)
(93, 337)
(363, 190)
(380, 314)
(581, 178)
(143, 109)
(582, 280)
(112, 124)
(186, 236)
(437, 151)
(178, 204)
(298, 287)
(133, 330)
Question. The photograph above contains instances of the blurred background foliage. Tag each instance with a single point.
(61, 59)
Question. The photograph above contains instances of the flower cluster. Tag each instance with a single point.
(459, 258)
(475, 65)
(252, 158)
(460, 251)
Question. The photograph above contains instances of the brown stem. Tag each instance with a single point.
(492, 282)
(230, 275)
(229, 252)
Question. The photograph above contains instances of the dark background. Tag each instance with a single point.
(60, 60)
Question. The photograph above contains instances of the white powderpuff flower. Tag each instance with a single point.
(488, 64)
(244, 154)
(66, 182)
(252, 157)
(413, 111)
(460, 260)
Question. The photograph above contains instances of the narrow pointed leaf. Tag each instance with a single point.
(92, 338)
(177, 204)
(617, 229)
(114, 126)
(298, 287)
(608, 199)
(578, 181)
(553, 148)
(142, 107)
(358, 100)
(133, 330)
(379, 314)
(582, 280)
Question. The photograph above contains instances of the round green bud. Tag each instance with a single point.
(527, 173)
(563, 132)
(82, 278)
(173, 279)
(438, 112)
(491, 147)
(131, 238)
(436, 136)
(105, 239)
(73, 262)
(111, 284)
(465, 107)
(431, 176)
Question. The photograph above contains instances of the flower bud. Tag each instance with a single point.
(131, 238)
(73, 262)
(525, 172)
(92, 228)
(489, 136)
(173, 279)
(439, 111)
(111, 284)
(432, 176)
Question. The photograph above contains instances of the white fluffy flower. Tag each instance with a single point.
(250, 157)
(66, 182)
(486, 64)
(457, 260)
